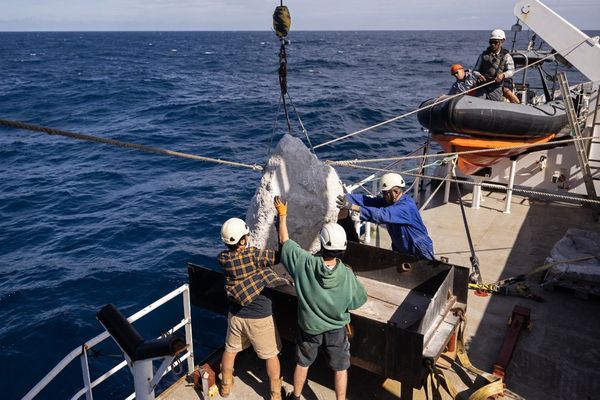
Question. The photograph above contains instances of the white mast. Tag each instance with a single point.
(574, 45)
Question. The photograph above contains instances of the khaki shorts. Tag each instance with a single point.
(260, 333)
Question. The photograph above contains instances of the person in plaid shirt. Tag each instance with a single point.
(250, 323)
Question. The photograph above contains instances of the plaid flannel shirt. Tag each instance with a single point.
(248, 271)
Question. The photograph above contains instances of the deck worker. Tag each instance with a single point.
(495, 64)
(398, 211)
(326, 290)
(250, 322)
(465, 80)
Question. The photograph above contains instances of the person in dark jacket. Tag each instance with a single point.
(494, 65)
(465, 80)
(326, 290)
(398, 211)
(250, 322)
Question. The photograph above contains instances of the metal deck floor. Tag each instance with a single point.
(559, 358)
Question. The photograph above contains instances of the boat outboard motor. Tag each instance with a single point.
(139, 352)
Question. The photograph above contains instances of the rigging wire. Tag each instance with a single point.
(566, 50)
(283, 82)
(484, 185)
(387, 168)
(475, 275)
(301, 125)
(347, 163)
(127, 145)
(274, 128)
(282, 22)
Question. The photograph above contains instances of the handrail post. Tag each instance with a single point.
(368, 224)
(511, 182)
(447, 183)
(142, 376)
(416, 192)
(85, 372)
(187, 313)
(476, 192)
(377, 237)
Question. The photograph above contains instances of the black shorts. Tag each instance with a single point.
(334, 343)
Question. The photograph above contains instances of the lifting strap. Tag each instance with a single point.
(518, 282)
(439, 377)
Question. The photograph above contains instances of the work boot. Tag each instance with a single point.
(276, 389)
(291, 396)
(226, 382)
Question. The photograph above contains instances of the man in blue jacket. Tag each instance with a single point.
(398, 212)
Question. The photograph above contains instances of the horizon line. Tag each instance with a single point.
(252, 30)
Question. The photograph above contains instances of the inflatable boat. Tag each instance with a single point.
(476, 116)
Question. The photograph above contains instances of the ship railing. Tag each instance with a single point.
(358, 225)
(374, 180)
(82, 351)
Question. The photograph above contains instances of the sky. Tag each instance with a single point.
(119, 15)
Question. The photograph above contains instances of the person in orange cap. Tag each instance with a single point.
(465, 79)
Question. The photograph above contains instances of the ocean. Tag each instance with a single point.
(85, 224)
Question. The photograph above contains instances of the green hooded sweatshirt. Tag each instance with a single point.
(324, 294)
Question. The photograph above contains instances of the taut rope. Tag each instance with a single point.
(118, 143)
(484, 185)
(565, 50)
(347, 163)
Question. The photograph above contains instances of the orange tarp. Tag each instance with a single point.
(471, 163)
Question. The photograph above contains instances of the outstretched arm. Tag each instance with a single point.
(282, 230)
(394, 214)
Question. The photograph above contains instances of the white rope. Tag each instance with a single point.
(433, 164)
(372, 177)
(343, 163)
(433, 194)
(119, 143)
(485, 185)
(444, 99)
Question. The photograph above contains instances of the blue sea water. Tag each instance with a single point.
(87, 224)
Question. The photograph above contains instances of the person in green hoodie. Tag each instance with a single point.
(326, 290)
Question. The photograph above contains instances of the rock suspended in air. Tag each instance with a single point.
(308, 185)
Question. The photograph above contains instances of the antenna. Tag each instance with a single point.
(516, 28)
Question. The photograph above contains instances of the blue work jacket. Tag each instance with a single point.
(404, 224)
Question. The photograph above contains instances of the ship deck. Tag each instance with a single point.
(557, 358)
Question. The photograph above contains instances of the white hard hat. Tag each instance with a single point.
(498, 34)
(233, 230)
(333, 237)
(389, 180)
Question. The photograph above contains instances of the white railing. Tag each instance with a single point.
(81, 351)
(374, 179)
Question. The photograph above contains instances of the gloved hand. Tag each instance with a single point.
(280, 206)
(343, 202)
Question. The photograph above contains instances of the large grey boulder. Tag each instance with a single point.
(308, 185)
